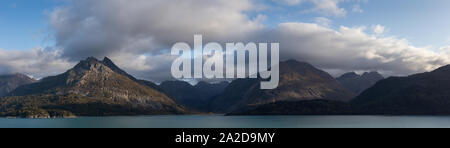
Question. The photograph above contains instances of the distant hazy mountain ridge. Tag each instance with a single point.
(101, 88)
(194, 97)
(358, 83)
(10, 82)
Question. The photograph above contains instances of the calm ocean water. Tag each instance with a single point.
(217, 121)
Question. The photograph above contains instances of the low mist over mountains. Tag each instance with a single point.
(420, 94)
(358, 83)
(10, 82)
(298, 81)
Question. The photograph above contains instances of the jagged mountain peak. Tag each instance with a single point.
(350, 75)
(108, 62)
(103, 83)
(88, 64)
(93, 64)
(365, 74)
(92, 61)
(372, 73)
(86, 75)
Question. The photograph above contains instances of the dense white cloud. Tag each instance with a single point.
(323, 21)
(102, 27)
(378, 29)
(137, 35)
(351, 49)
(146, 29)
(150, 67)
(327, 7)
(37, 62)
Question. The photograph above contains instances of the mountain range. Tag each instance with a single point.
(10, 82)
(298, 81)
(101, 88)
(358, 83)
(420, 94)
(193, 97)
(91, 88)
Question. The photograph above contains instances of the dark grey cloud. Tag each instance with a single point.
(138, 35)
(105, 27)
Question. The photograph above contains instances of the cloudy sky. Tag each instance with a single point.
(401, 37)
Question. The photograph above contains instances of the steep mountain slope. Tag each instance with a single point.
(298, 81)
(358, 83)
(182, 93)
(95, 82)
(193, 97)
(426, 93)
(10, 82)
